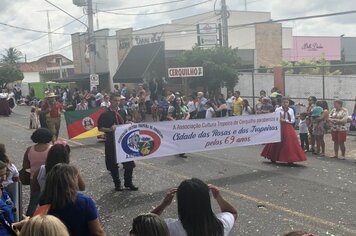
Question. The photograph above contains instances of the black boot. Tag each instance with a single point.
(182, 155)
(128, 180)
(115, 177)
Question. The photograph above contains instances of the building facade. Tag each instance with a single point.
(259, 45)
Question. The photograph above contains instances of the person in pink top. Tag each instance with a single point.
(34, 157)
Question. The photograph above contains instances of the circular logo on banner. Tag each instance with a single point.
(141, 142)
(88, 123)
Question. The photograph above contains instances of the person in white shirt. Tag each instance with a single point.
(12, 174)
(230, 99)
(98, 99)
(170, 97)
(82, 106)
(106, 102)
(65, 96)
(194, 210)
(246, 109)
(210, 112)
(288, 150)
(201, 105)
(303, 131)
(192, 109)
(116, 89)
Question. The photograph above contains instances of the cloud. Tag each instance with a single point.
(30, 14)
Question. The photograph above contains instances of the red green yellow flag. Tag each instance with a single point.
(83, 124)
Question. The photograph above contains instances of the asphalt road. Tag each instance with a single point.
(317, 196)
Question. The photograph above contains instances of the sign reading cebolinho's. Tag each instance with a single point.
(185, 72)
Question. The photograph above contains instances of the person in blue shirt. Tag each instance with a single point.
(7, 207)
(77, 211)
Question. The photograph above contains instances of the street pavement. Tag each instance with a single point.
(318, 195)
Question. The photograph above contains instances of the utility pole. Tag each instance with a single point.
(91, 39)
(245, 5)
(224, 17)
(97, 16)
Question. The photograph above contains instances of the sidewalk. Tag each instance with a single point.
(350, 146)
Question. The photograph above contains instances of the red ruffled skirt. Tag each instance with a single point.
(288, 150)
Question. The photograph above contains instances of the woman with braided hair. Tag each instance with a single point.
(289, 149)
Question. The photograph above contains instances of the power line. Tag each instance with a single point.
(154, 13)
(56, 50)
(33, 40)
(253, 1)
(28, 29)
(66, 13)
(215, 18)
(297, 18)
(23, 44)
(231, 26)
(180, 31)
(142, 6)
(182, 27)
(45, 54)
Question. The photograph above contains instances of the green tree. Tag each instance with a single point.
(310, 67)
(219, 64)
(9, 74)
(11, 57)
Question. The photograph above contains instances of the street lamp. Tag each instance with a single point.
(80, 3)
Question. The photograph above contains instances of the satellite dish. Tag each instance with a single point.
(80, 3)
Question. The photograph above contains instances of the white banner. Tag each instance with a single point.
(149, 140)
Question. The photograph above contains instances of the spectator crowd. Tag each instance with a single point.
(57, 205)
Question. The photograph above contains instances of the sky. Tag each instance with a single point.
(31, 14)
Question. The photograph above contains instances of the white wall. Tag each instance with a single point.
(112, 61)
(300, 87)
(25, 89)
(30, 77)
(242, 38)
(336, 87)
(287, 38)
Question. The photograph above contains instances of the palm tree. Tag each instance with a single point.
(12, 56)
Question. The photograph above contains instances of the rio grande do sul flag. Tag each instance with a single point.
(83, 124)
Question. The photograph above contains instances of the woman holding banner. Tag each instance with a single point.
(289, 149)
(178, 111)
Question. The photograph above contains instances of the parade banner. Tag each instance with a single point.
(150, 140)
(83, 124)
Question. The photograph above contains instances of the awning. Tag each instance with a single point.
(139, 61)
(81, 77)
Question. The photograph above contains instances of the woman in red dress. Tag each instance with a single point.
(4, 104)
(288, 150)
